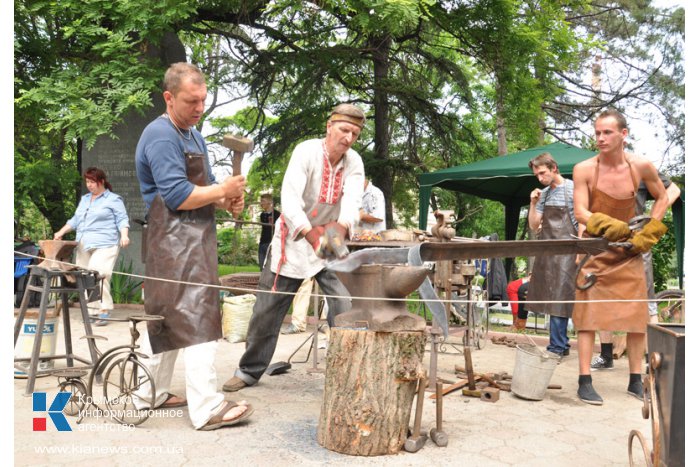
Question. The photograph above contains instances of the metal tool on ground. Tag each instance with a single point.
(469, 368)
(416, 441)
(489, 394)
(438, 436)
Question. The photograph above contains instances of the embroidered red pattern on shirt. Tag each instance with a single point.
(331, 183)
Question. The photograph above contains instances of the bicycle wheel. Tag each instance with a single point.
(77, 399)
(672, 309)
(122, 380)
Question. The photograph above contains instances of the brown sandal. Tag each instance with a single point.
(217, 421)
(171, 405)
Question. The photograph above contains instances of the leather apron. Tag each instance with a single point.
(553, 276)
(619, 275)
(181, 246)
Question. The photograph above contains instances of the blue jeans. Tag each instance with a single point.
(558, 340)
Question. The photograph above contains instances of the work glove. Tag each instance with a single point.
(316, 238)
(646, 238)
(602, 225)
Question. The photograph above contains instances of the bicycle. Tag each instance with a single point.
(121, 375)
(672, 309)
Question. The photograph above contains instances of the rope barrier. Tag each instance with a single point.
(321, 295)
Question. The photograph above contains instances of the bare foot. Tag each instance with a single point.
(235, 412)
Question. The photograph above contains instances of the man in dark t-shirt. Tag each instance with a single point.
(268, 217)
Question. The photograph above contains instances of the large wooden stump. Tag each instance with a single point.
(370, 384)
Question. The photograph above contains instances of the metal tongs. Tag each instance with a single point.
(635, 225)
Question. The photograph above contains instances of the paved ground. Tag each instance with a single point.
(558, 431)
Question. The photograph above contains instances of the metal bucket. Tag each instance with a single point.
(533, 371)
(25, 342)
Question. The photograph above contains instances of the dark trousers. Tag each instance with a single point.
(262, 253)
(269, 312)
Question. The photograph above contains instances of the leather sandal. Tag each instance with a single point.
(217, 421)
(171, 404)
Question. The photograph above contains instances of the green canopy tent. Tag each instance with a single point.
(509, 179)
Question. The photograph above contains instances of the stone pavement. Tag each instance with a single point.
(558, 431)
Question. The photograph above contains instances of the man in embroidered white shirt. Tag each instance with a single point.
(322, 188)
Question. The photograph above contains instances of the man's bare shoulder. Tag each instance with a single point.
(587, 164)
(638, 161)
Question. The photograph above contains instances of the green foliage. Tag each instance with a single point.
(440, 81)
(664, 256)
(125, 288)
(225, 269)
(237, 246)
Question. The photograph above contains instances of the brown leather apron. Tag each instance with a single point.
(181, 246)
(619, 276)
(553, 276)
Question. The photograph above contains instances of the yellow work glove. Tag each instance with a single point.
(646, 238)
(602, 225)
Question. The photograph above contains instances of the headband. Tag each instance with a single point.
(349, 119)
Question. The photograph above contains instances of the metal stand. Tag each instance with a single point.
(314, 343)
(41, 280)
(313, 337)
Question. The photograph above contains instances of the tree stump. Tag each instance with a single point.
(370, 385)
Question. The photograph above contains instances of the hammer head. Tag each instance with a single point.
(238, 143)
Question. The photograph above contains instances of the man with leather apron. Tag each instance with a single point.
(322, 190)
(604, 202)
(552, 212)
(179, 244)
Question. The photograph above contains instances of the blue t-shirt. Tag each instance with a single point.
(160, 162)
(97, 223)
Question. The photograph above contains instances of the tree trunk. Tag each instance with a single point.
(384, 176)
(370, 384)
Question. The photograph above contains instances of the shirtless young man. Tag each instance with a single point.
(604, 201)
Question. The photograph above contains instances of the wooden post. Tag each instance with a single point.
(370, 385)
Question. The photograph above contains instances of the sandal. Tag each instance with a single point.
(171, 404)
(217, 421)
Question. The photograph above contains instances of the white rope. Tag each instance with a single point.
(321, 295)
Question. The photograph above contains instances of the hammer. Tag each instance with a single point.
(239, 145)
(438, 436)
(416, 441)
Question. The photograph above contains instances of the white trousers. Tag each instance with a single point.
(300, 305)
(101, 260)
(200, 378)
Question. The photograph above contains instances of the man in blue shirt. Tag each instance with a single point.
(180, 194)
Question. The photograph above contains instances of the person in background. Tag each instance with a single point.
(515, 291)
(102, 227)
(372, 214)
(268, 217)
(551, 215)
